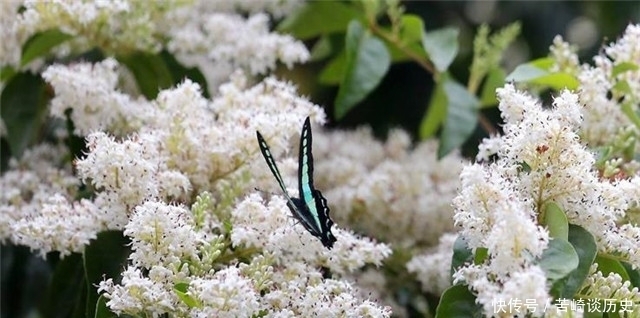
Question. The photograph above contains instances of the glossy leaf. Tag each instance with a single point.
(367, 62)
(102, 311)
(461, 121)
(462, 254)
(40, 44)
(106, 256)
(608, 265)
(436, 113)
(559, 259)
(23, 104)
(150, 71)
(585, 246)
(67, 289)
(458, 301)
(442, 47)
(556, 221)
(316, 18)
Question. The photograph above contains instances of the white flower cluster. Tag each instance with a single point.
(36, 208)
(283, 281)
(608, 89)
(225, 257)
(433, 269)
(89, 91)
(540, 160)
(370, 183)
(214, 36)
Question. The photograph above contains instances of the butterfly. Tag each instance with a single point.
(311, 209)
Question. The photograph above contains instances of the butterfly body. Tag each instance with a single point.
(311, 208)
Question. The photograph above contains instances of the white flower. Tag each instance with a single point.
(89, 91)
(433, 269)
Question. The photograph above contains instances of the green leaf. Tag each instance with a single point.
(608, 265)
(322, 49)
(442, 47)
(525, 73)
(23, 109)
(458, 301)
(556, 221)
(102, 311)
(585, 246)
(462, 108)
(412, 30)
(623, 67)
(462, 254)
(67, 289)
(558, 260)
(179, 72)
(41, 43)
(104, 257)
(6, 73)
(495, 79)
(316, 18)
(557, 81)
(535, 73)
(181, 290)
(634, 274)
(333, 73)
(482, 254)
(544, 63)
(151, 72)
(367, 62)
(436, 113)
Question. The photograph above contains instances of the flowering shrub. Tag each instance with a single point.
(134, 167)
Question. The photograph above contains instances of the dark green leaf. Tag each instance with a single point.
(41, 43)
(462, 254)
(608, 265)
(67, 288)
(316, 18)
(367, 63)
(23, 103)
(442, 47)
(6, 73)
(179, 72)
(458, 301)
(436, 113)
(634, 274)
(558, 260)
(104, 257)
(586, 248)
(102, 311)
(462, 108)
(151, 72)
(495, 79)
(556, 221)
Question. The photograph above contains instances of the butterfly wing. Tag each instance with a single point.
(266, 153)
(316, 214)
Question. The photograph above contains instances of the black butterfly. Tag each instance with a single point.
(311, 210)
